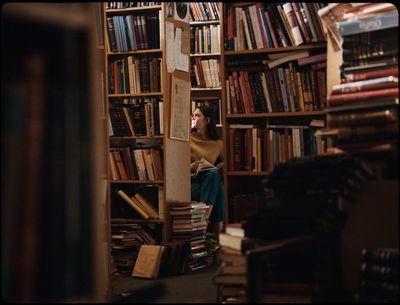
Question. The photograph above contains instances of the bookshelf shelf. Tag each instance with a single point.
(275, 50)
(136, 182)
(137, 138)
(276, 114)
(134, 9)
(128, 220)
(136, 95)
(206, 22)
(206, 89)
(205, 55)
(135, 52)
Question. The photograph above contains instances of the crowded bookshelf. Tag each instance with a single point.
(140, 144)
(273, 86)
(96, 184)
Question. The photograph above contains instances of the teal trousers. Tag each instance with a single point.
(207, 187)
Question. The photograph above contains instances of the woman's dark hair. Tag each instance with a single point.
(208, 112)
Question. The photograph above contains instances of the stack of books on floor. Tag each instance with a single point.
(230, 277)
(362, 112)
(189, 225)
(379, 275)
(126, 239)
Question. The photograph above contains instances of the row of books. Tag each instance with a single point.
(133, 32)
(286, 88)
(145, 202)
(120, 5)
(136, 164)
(203, 11)
(259, 25)
(363, 108)
(379, 280)
(142, 119)
(130, 75)
(204, 73)
(260, 149)
(189, 223)
(205, 39)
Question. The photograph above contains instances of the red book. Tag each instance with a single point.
(366, 85)
(370, 74)
(247, 98)
(259, 6)
(339, 99)
(300, 21)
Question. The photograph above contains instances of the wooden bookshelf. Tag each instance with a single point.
(263, 121)
(130, 82)
(149, 115)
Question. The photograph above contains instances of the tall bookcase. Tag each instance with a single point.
(53, 166)
(205, 56)
(144, 173)
(273, 94)
(373, 220)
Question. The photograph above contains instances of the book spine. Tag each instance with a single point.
(294, 27)
(368, 24)
(111, 34)
(300, 21)
(372, 84)
(353, 118)
(357, 96)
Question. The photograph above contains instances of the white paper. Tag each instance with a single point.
(181, 60)
(170, 51)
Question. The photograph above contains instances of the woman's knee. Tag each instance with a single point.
(213, 176)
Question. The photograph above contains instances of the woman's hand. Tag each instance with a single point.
(193, 166)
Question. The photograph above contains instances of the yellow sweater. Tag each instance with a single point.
(202, 148)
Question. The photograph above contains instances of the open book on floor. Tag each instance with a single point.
(203, 165)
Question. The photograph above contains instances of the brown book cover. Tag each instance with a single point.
(368, 117)
(111, 34)
(234, 107)
(367, 133)
(239, 97)
(365, 85)
(340, 99)
(148, 262)
(363, 75)
(245, 90)
(120, 165)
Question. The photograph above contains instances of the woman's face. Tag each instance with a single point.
(199, 121)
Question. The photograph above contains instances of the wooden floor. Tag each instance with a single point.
(194, 287)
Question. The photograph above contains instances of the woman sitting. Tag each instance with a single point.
(207, 186)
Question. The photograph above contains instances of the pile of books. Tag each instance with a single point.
(126, 239)
(230, 276)
(322, 190)
(379, 275)
(189, 225)
(363, 109)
